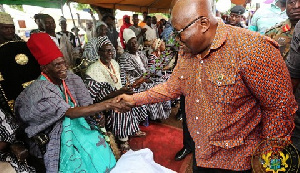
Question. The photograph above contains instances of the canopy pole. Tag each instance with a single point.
(62, 7)
(76, 33)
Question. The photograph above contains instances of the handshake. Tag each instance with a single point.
(122, 103)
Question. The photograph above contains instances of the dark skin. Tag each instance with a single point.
(7, 32)
(109, 22)
(135, 21)
(63, 26)
(106, 55)
(198, 37)
(149, 21)
(57, 71)
(127, 20)
(235, 19)
(101, 31)
(144, 16)
(49, 25)
(132, 47)
(154, 20)
(293, 11)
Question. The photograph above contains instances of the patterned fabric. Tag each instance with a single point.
(100, 84)
(7, 134)
(78, 155)
(166, 34)
(282, 33)
(8, 127)
(132, 70)
(156, 65)
(91, 48)
(122, 124)
(69, 35)
(265, 18)
(100, 73)
(236, 95)
(41, 107)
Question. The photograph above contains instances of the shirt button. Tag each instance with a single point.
(198, 133)
(198, 146)
(201, 61)
(196, 118)
(197, 101)
(199, 80)
(219, 83)
(181, 77)
(226, 144)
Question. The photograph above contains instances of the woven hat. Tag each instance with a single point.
(5, 18)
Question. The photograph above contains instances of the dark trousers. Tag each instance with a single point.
(188, 142)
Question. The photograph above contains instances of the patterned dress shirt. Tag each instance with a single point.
(238, 94)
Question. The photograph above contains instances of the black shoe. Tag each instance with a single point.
(179, 115)
(182, 154)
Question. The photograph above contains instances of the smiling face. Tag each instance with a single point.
(194, 24)
(56, 70)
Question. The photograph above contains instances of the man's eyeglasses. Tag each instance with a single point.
(177, 33)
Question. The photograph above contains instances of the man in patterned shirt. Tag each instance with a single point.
(237, 88)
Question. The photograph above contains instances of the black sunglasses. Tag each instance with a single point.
(177, 33)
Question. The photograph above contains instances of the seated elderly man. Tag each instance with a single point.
(53, 110)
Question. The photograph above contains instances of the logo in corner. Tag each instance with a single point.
(275, 156)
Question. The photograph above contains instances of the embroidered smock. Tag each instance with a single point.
(237, 95)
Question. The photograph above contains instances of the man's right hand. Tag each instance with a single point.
(118, 106)
(126, 98)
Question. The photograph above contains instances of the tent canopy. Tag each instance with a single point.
(41, 3)
(151, 6)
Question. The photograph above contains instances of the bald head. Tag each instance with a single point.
(196, 23)
(186, 10)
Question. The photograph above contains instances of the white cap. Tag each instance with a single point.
(128, 34)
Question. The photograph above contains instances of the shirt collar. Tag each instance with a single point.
(220, 35)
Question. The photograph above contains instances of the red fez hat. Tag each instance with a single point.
(43, 48)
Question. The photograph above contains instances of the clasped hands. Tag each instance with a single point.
(122, 103)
